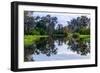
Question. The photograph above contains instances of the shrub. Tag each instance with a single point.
(35, 32)
(75, 35)
(66, 34)
(85, 31)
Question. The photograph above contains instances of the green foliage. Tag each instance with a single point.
(45, 25)
(75, 35)
(85, 31)
(77, 23)
(35, 32)
(35, 27)
(30, 39)
(38, 25)
(66, 34)
(42, 31)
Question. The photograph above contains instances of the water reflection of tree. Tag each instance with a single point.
(47, 47)
(80, 46)
(43, 46)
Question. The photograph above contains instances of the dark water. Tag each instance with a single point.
(57, 48)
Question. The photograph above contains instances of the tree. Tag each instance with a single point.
(65, 31)
(77, 23)
(47, 24)
(29, 22)
(85, 31)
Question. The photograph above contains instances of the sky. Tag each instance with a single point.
(61, 17)
(62, 54)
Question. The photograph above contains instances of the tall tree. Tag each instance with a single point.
(77, 23)
(29, 21)
(47, 23)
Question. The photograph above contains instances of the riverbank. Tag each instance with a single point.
(29, 39)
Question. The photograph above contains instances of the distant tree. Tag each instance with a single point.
(65, 31)
(75, 35)
(59, 27)
(77, 23)
(85, 31)
(47, 23)
(29, 22)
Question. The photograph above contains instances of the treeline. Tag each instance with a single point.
(80, 25)
(48, 25)
(39, 25)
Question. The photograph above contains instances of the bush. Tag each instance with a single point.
(85, 31)
(66, 34)
(75, 35)
(42, 31)
(35, 32)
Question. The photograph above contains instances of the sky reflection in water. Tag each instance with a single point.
(49, 49)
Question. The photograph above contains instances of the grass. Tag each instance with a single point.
(81, 36)
(29, 39)
(84, 36)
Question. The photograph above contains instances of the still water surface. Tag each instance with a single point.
(51, 49)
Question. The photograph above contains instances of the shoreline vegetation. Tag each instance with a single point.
(29, 39)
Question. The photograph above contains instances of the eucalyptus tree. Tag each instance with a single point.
(78, 23)
(29, 21)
